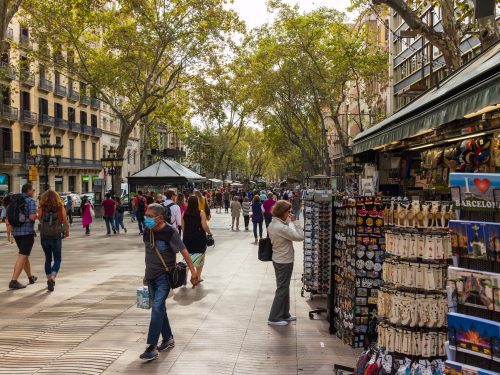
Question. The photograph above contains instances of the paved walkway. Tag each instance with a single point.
(90, 324)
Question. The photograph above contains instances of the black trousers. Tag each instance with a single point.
(281, 305)
(247, 221)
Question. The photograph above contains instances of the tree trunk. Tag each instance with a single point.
(488, 32)
(126, 128)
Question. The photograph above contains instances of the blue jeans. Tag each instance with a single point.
(52, 250)
(119, 221)
(297, 213)
(158, 290)
(110, 223)
(255, 229)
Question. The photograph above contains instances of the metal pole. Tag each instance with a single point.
(112, 183)
(46, 165)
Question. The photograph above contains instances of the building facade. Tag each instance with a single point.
(36, 99)
(416, 65)
(165, 143)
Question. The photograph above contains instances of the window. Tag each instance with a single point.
(5, 94)
(59, 184)
(72, 183)
(129, 155)
(135, 154)
(58, 110)
(71, 114)
(83, 117)
(71, 148)
(70, 85)
(94, 151)
(41, 71)
(83, 88)
(93, 121)
(71, 57)
(58, 141)
(57, 78)
(103, 151)
(83, 150)
(43, 106)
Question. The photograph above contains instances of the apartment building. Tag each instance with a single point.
(111, 130)
(416, 65)
(167, 145)
(35, 99)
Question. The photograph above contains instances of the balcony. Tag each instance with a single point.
(84, 99)
(96, 132)
(45, 85)
(29, 117)
(73, 95)
(7, 70)
(46, 120)
(12, 157)
(9, 34)
(82, 163)
(74, 126)
(173, 153)
(95, 103)
(60, 90)
(61, 123)
(9, 113)
(27, 78)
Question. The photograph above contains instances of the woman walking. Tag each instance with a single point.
(195, 230)
(52, 216)
(203, 204)
(235, 213)
(282, 235)
(85, 209)
(119, 212)
(257, 217)
(246, 207)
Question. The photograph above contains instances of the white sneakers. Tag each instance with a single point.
(283, 322)
(278, 323)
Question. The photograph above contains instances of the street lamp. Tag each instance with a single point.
(110, 166)
(45, 158)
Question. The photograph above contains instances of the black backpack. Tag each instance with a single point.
(141, 206)
(168, 213)
(48, 226)
(16, 210)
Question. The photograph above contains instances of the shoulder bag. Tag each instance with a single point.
(265, 250)
(177, 276)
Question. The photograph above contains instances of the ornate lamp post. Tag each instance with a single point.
(110, 165)
(50, 154)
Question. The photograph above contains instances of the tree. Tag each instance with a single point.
(8, 8)
(299, 67)
(456, 22)
(132, 54)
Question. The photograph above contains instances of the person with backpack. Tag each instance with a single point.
(69, 209)
(86, 212)
(109, 206)
(119, 212)
(172, 210)
(21, 214)
(52, 216)
(140, 204)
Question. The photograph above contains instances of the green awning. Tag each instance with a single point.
(471, 88)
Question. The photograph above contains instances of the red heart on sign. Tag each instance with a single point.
(482, 184)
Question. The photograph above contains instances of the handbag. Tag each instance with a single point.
(265, 250)
(177, 276)
(92, 212)
(210, 240)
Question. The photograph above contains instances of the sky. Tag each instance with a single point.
(254, 12)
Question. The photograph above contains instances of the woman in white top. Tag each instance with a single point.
(283, 230)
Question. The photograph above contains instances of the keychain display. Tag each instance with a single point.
(405, 214)
(317, 242)
(408, 243)
(359, 251)
(417, 275)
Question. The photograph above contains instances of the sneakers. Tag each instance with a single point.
(278, 323)
(14, 284)
(150, 354)
(50, 285)
(32, 279)
(291, 318)
(166, 344)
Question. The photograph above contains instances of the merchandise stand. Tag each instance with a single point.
(474, 279)
(356, 268)
(317, 244)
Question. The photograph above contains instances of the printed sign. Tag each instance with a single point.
(475, 191)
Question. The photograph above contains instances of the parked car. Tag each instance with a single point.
(76, 201)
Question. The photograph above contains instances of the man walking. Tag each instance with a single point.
(218, 202)
(109, 206)
(21, 214)
(140, 205)
(69, 209)
(227, 200)
(172, 210)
